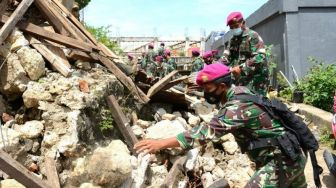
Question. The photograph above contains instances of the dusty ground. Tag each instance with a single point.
(327, 180)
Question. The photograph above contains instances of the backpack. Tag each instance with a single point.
(292, 123)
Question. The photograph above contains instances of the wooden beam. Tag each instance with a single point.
(107, 51)
(79, 55)
(175, 82)
(52, 174)
(58, 38)
(123, 124)
(74, 20)
(17, 171)
(14, 19)
(160, 84)
(127, 81)
(55, 60)
(58, 51)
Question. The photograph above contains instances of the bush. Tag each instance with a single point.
(319, 85)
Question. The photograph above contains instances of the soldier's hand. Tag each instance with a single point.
(148, 146)
(236, 70)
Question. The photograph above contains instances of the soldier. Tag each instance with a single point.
(169, 62)
(150, 61)
(246, 55)
(207, 57)
(197, 62)
(161, 49)
(254, 130)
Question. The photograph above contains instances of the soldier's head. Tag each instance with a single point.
(236, 22)
(162, 44)
(167, 53)
(207, 57)
(150, 46)
(216, 81)
(159, 59)
(130, 57)
(195, 53)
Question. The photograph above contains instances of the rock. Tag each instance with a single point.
(159, 113)
(34, 94)
(6, 117)
(11, 183)
(12, 139)
(137, 130)
(74, 99)
(230, 147)
(218, 173)
(2, 106)
(180, 120)
(32, 62)
(84, 86)
(33, 167)
(169, 117)
(143, 124)
(206, 179)
(110, 166)
(88, 185)
(177, 114)
(83, 65)
(208, 163)
(50, 138)
(17, 40)
(157, 175)
(202, 107)
(13, 78)
(164, 129)
(32, 129)
(227, 137)
(194, 120)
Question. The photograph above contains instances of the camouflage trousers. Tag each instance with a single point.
(267, 176)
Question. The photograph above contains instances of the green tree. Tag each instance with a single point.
(82, 3)
(102, 34)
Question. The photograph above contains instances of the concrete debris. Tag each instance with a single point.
(11, 183)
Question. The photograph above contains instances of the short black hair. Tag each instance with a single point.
(226, 79)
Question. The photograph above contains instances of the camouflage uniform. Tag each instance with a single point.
(247, 121)
(161, 51)
(149, 62)
(248, 52)
(197, 64)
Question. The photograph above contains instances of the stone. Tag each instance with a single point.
(34, 94)
(137, 130)
(32, 62)
(88, 185)
(227, 137)
(83, 65)
(32, 129)
(164, 129)
(194, 120)
(33, 167)
(202, 107)
(143, 124)
(230, 147)
(2, 106)
(84, 86)
(159, 113)
(206, 179)
(12, 139)
(157, 175)
(17, 40)
(11, 183)
(218, 173)
(110, 166)
(177, 114)
(180, 120)
(208, 164)
(169, 117)
(6, 117)
(50, 138)
(74, 99)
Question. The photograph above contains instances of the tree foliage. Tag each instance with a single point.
(82, 3)
(102, 34)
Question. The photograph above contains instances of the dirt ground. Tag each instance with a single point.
(327, 180)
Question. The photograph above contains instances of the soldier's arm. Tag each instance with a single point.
(233, 118)
(258, 54)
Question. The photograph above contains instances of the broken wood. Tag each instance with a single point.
(79, 55)
(17, 171)
(172, 176)
(107, 51)
(122, 122)
(55, 60)
(52, 174)
(14, 19)
(59, 53)
(160, 84)
(55, 37)
(221, 183)
(175, 82)
(127, 81)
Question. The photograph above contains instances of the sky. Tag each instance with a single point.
(165, 18)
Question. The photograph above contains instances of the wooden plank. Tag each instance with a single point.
(55, 37)
(51, 18)
(14, 19)
(76, 22)
(58, 51)
(4, 5)
(175, 82)
(160, 84)
(52, 174)
(221, 183)
(173, 173)
(17, 171)
(123, 124)
(79, 55)
(107, 51)
(55, 60)
(127, 81)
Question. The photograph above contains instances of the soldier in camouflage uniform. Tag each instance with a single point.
(149, 63)
(249, 124)
(169, 62)
(197, 63)
(246, 55)
(161, 49)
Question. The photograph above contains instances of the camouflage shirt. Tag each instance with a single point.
(245, 120)
(197, 64)
(248, 52)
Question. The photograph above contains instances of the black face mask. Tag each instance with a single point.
(212, 97)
